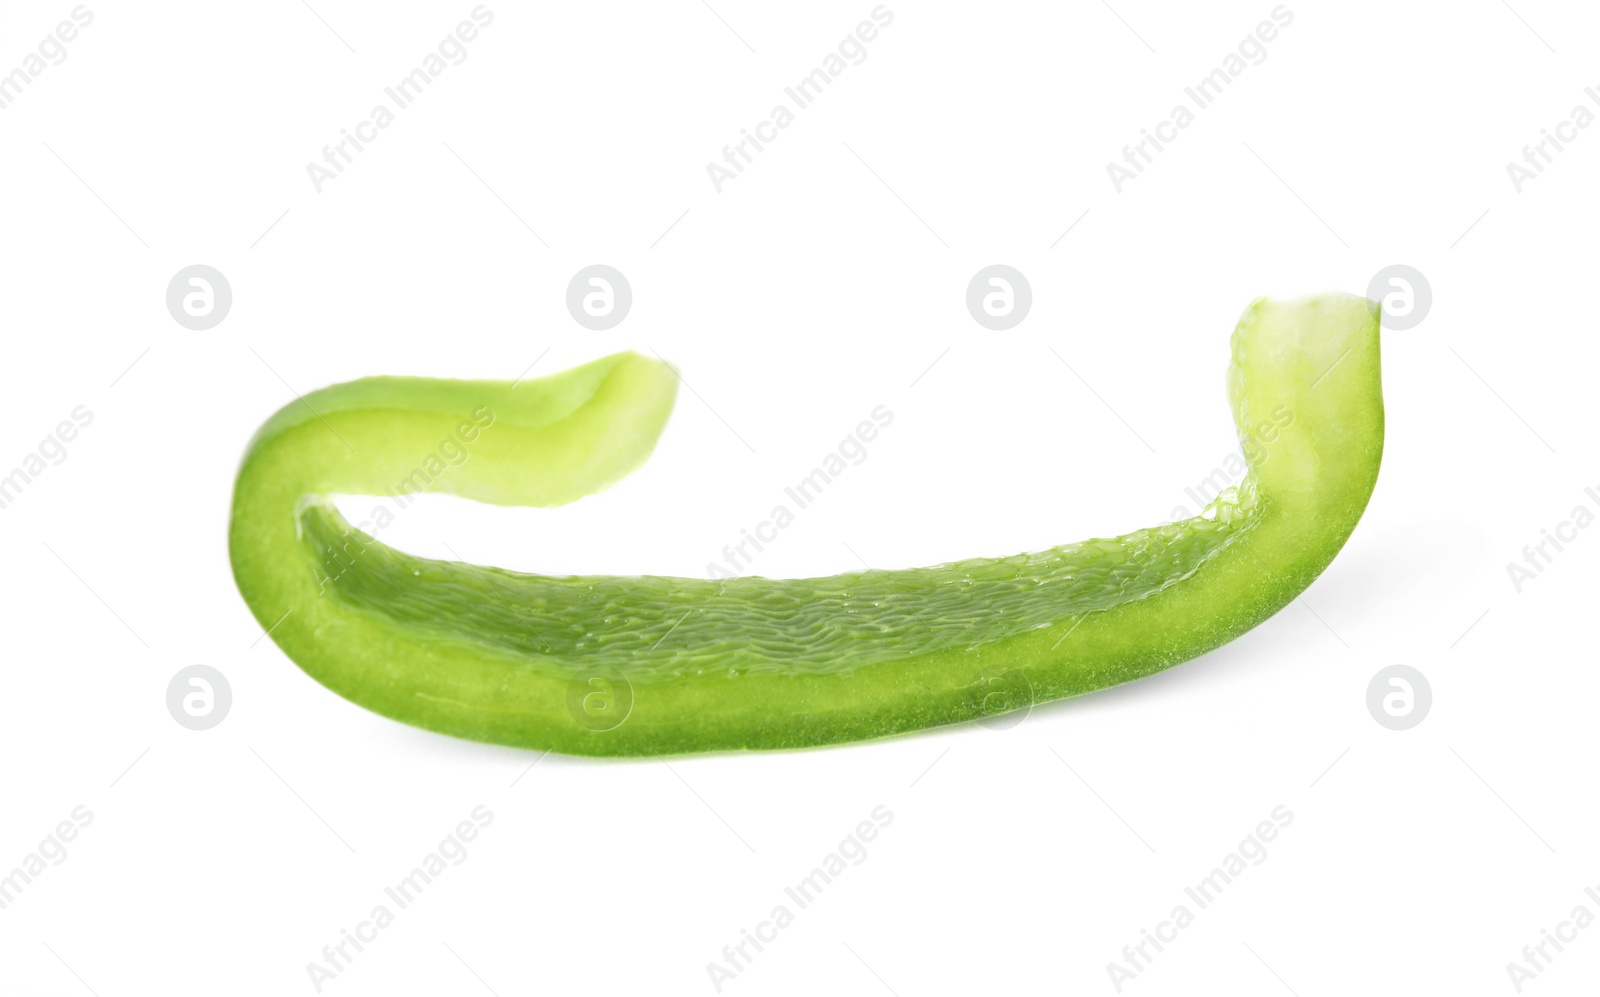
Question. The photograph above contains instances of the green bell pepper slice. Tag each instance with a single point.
(602, 665)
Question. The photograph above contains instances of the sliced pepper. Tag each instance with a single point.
(602, 665)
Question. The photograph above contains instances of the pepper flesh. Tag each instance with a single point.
(600, 665)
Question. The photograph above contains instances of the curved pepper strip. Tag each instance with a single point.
(646, 666)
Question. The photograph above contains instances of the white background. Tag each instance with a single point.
(824, 281)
